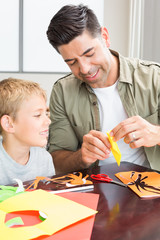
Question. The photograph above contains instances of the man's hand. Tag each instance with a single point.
(137, 132)
(95, 146)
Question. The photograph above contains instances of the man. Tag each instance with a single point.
(105, 91)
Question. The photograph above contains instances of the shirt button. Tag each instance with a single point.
(94, 103)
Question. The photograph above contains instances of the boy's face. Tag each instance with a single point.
(31, 124)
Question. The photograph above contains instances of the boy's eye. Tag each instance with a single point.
(48, 113)
(37, 115)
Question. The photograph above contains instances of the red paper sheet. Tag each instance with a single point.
(79, 231)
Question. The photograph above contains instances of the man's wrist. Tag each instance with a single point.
(83, 163)
(158, 133)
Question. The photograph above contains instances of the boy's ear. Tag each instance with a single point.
(6, 124)
(105, 36)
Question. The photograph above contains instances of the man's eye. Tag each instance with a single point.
(89, 55)
(71, 64)
(37, 115)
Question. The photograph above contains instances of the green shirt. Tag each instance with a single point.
(74, 107)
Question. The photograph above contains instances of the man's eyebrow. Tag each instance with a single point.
(69, 59)
(72, 59)
(88, 50)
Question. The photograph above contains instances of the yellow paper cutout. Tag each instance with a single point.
(115, 149)
(61, 212)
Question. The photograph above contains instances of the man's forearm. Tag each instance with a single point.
(67, 161)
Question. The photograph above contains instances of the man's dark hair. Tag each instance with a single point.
(70, 22)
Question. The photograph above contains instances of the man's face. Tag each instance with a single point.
(89, 59)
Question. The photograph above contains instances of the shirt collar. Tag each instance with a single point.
(124, 69)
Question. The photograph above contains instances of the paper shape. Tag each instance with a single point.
(144, 184)
(60, 212)
(81, 230)
(14, 221)
(65, 182)
(115, 149)
(7, 192)
(20, 185)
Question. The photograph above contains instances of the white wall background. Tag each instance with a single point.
(9, 37)
(116, 19)
(38, 54)
(128, 31)
(151, 28)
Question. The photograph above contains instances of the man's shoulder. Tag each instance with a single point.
(68, 83)
(139, 63)
(150, 64)
(67, 79)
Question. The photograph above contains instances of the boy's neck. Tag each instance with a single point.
(19, 154)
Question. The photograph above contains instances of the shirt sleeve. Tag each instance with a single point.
(61, 134)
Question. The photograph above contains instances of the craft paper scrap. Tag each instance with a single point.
(60, 212)
(14, 221)
(7, 192)
(144, 184)
(115, 149)
(61, 183)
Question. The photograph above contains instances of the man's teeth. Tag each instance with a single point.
(93, 74)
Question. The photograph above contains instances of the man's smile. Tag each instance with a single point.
(92, 76)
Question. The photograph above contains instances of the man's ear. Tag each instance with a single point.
(105, 36)
(6, 123)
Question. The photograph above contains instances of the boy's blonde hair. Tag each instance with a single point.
(13, 92)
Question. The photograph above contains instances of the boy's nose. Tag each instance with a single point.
(49, 121)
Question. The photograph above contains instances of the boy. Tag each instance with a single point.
(24, 129)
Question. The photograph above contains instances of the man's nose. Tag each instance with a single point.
(84, 67)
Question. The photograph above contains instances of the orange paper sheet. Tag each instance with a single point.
(60, 212)
(144, 184)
